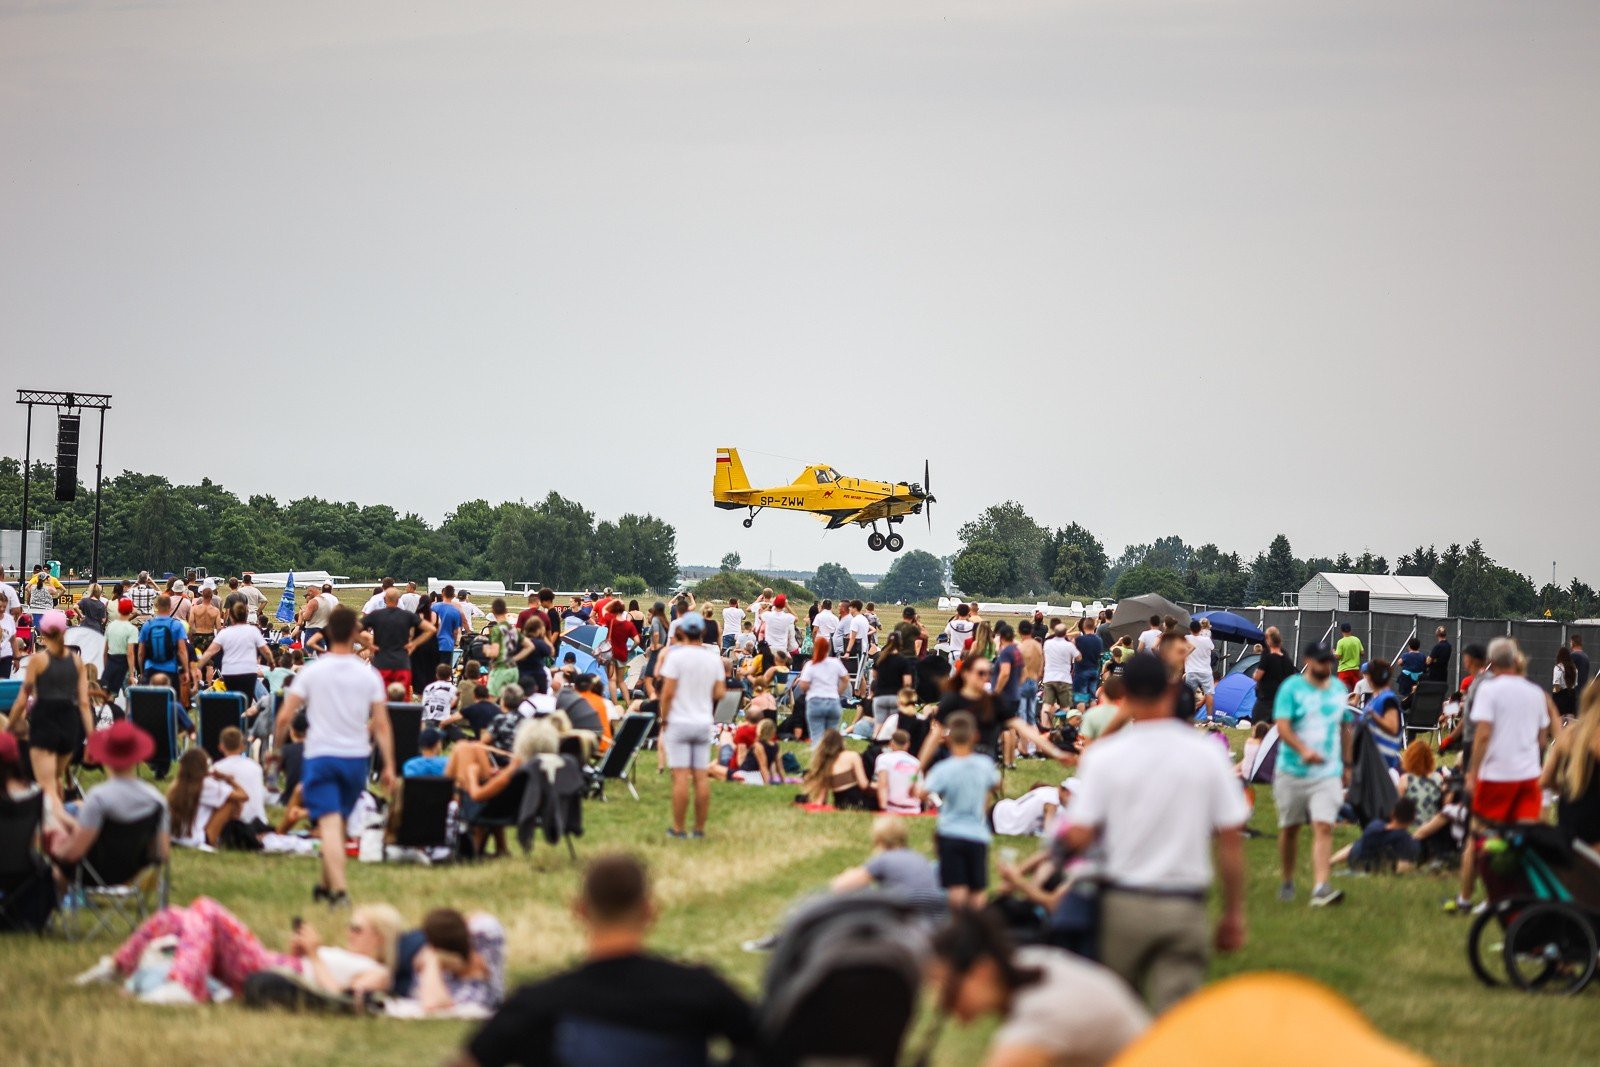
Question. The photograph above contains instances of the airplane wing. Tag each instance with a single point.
(876, 511)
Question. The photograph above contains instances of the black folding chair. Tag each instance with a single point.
(421, 819)
(406, 722)
(152, 709)
(27, 890)
(1427, 704)
(218, 711)
(119, 878)
(625, 743)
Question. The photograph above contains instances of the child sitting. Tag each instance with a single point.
(430, 762)
(896, 775)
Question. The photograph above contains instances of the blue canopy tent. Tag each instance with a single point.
(1226, 626)
(1236, 696)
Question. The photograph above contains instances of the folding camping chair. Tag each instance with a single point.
(1427, 704)
(119, 877)
(625, 744)
(27, 889)
(728, 707)
(405, 720)
(421, 819)
(499, 812)
(152, 708)
(216, 712)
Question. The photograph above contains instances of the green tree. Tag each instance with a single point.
(1017, 541)
(1275, 572)
(630, 585)
(833, 582)
(1163, 581)
(981, 569)
(637, 544)
(915, 576)
(731, 561)
(511, 548)
(1075, 561)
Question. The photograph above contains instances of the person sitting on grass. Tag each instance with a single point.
(213, 944)
(461, 968)
(896, 777)
(837, 772)
(202, 801)
(976, 971)
(762, 761)
(1385, 845)
(622, 1006)
(734, 745)
(895, 866)
(429, 761)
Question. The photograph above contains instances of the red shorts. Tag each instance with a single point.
(391, 677)
(1508, 801)
(1350, 678)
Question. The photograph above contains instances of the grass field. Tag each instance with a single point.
(1387, 947)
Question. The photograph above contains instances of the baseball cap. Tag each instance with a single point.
(692, 624)
(1317, 652)
(125, 606)
(780, 601)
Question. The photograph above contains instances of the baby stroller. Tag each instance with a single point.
(1539, 930)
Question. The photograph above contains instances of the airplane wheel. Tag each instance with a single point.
(875, 541)
(894, 542)
(749, 523)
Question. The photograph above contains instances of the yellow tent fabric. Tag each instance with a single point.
(1291, 1020)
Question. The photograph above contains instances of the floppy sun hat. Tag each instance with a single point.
(121, 746)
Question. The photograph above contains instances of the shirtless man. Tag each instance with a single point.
(204, 619)
(1032, 672)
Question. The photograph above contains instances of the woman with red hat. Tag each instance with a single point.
(122, 797)
(60, 718)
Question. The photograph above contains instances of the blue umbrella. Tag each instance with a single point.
(286, 601)
(1230, 627)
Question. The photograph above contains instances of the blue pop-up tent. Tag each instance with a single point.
(1226, 626)
(1236, 696)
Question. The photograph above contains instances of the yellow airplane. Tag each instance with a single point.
(822, 491)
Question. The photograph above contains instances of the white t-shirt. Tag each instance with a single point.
(239, 645)
(959, 631)
(859, 625)
(698, 669)
(823, 678)
(1059, 656)
(902, 769)
(409, 601)
(1105, 1016)
(247, 772)
(732, 620)
(780, 630)
(824, 626)
(1026, 814)
(1158, 838)
(436, 700)
(253, 599)
(1515, 710)
(1199, 659)
(339, 690)
(1149, 639)
(374, 603)
(213, 794)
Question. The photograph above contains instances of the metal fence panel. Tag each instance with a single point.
(1539, 641)
(1314, 626)
(1389, 634)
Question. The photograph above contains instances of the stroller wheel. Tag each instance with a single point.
(1550, 948)
(1486, 944)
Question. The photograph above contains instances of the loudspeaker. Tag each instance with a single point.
(67, 457)
(1360, 600)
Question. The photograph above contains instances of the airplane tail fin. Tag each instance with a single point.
(730, 476)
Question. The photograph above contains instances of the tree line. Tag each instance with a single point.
(1005, 552)
(149, 523)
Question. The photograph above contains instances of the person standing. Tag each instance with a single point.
(1060, 659)
(1151, 635)
(54, 701)
(1197, 673)
(313, 618)
(1091, 651)
(396, 634)
(692, 681)
(824, 681)
(1514, 719)
(449, 622)
(1437, 666)
(254, 599)
(345, 708)
(410, 598)
(962, 782)
(143, 594)
(239, 645)
(778, 626)
(1309, 782)
(92, 609)
(1156, 844)
(1350, 655)
(957, 632)
(824, 623)
(121, 636)
(205, 619)
(1580, 660)
(732, 622)
(1272, 670)
(376, 602)
(164, 649)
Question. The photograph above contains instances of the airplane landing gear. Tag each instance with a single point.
(894, 542)
(875, 541)
(749, 523)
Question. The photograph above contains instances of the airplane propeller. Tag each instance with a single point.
(927, 495)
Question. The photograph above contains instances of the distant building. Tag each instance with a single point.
(1393, 594)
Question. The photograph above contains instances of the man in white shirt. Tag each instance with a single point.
(1513, 719)
(470, 612)
(693, 680)
(732, 622)
(1060, 658)
(246, 773)
(856, 631)
(1156, 843)
(253, 597)
(375, 601)
(778, 626)
(826, 623)
(958, 631)
(1151, 636)
(1033, 814)
(1197, 664)
(345, 708)
(410, 598)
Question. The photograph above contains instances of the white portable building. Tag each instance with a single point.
(1389, 593)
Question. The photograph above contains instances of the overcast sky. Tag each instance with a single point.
(1216, 269)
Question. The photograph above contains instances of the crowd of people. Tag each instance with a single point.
(846, 709)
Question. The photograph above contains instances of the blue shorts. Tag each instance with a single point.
(330, 785)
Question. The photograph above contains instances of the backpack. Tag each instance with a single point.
(160, 643)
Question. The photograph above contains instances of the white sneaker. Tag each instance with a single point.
(169, 993)
(103, 971)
